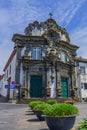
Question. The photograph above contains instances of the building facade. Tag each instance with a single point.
(8, 77)
(81, 77)
(45, 65)
(1, 84)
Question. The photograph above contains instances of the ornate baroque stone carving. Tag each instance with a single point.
(44, 28)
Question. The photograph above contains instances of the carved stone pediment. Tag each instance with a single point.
(49, 28)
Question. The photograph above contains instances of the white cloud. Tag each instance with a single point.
(79, 37)
(5, 51)
(73, 11)
(4, 16)
(67, 10)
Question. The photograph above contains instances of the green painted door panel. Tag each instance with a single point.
(35, 86)
(64, 86)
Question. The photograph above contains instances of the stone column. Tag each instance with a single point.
(70, 81)
(53, 81)
(26, 87)
(17, 71)
(46, 80)
(28, 83)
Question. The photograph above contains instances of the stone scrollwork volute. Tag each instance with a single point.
(44, 28)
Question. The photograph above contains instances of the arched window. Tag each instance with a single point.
(36, 54)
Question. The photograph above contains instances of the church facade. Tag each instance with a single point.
(45, 65)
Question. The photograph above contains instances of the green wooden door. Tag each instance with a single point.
(35, 86)
(64, 86)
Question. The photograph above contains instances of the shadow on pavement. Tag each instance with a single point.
(29, 114)
(3, 99)
(29, 111)
(43, 129)
(33, 120)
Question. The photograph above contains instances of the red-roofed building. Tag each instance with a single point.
(10, 59)
(9, 75)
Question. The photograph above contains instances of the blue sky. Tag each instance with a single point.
(15, 15)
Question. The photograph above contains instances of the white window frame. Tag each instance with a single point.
(63, 57)
(36, 53)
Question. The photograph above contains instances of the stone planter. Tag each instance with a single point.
(70, 101)
(39, 115)
(60, 122)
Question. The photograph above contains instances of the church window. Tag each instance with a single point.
(63, 57)
(36, 54)
(82, 69)
(10, 69)
(7, 73)
(85, 86)
(53, 35)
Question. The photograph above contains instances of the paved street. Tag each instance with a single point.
(2, 99)
(20, 117)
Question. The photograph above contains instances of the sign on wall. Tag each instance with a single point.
(6, 86)
(12, 86)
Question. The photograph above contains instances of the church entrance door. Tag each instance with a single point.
(36, 86)
(64, 87)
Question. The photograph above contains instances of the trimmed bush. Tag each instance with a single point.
(61, 110)
(52, 101)
(42, 106)
(32, 104)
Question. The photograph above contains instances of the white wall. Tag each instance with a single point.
(83, 91)
(5, 78)
(3, 91)
(81, 78)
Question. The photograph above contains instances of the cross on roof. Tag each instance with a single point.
(50, 14)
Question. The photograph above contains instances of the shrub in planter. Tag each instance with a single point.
(82, 125)
(32, 104)
(39, 109)
(61, 110)
(60, 116)
(52, 101)
(69, 100)
(42, 106)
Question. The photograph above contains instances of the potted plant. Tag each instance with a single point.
(32, 104)
(52, 101)
(39, 109)
(69, 100)
(60, 116)
(82, 125)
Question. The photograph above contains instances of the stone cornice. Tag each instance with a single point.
(28, 39)
(80, 59)
(69, 46)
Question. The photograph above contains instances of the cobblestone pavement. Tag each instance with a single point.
(20, 117)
